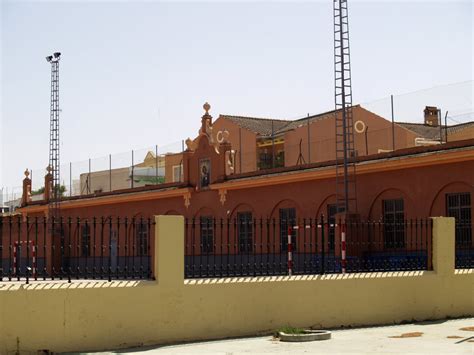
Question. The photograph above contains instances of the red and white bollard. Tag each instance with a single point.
(290, 254)
(343, 247)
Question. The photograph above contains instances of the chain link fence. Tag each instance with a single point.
(158, 164)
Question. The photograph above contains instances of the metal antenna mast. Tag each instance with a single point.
(345, 152)
(54, 136)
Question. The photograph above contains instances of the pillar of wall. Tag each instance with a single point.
(26, 196)
(169, 251)
(443, 250)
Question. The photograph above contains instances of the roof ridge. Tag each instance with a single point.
(256, 118)
(461, 124)
(314, 116)
(285, 119)
(424, 124)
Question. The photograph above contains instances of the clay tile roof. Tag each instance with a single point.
(304, 121)
(263, 126)
(460, 127)
(260, 126)
(422, 130)
(430, 132)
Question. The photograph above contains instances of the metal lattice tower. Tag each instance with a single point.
(54, 155)
(345, 152)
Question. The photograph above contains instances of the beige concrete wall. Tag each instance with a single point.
(100, 180)
(99, 315)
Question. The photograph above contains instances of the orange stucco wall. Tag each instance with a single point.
(323, 143)
(423, 189)
(246, 153)
(170, 161)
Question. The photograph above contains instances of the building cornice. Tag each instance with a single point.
(430, 158)
(112, 199)
(364, 167)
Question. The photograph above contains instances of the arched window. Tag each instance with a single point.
(393, 219)
(245, 231)
(141, 238)
(287, 219)
(85, 240)
(207, 234)
(458, 205)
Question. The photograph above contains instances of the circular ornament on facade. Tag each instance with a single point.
(222, 136)
(359, 126)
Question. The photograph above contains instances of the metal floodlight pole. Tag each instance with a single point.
(54, 146)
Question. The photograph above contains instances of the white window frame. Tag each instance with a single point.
(180, 166)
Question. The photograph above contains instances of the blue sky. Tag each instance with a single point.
(135, 74)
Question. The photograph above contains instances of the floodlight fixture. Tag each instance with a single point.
(56, 54)
(49, 58)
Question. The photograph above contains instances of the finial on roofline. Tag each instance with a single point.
(207, 107)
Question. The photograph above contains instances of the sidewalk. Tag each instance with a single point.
(374, 340)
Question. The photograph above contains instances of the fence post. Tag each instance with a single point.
(343, 247)
(322, 245)
(169, 251)
(290, 251)
(443, 245)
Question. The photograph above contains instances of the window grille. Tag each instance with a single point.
(332, 210)
(207, 234)
(85, 240)
(245, 231)
(458, 205)
(141, 239)
(394, 228)
(287, 218)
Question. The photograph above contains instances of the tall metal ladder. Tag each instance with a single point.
(345, 151)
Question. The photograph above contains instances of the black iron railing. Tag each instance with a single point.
(246, 246)
(37, 248)
(464, 245)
